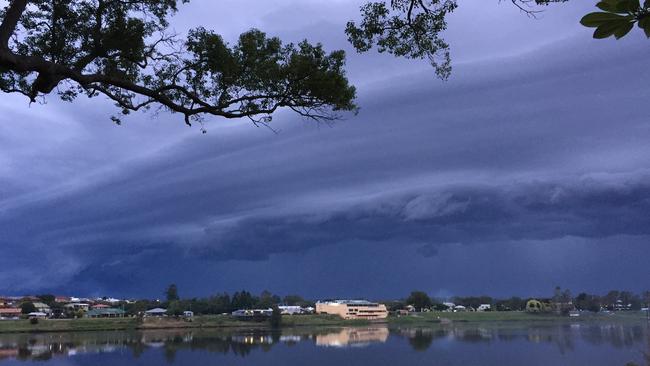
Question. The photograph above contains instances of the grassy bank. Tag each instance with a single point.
(228, 322)
(200, 322)
(67, 325)
(423, 319)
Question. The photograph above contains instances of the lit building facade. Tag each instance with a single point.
(352, 309)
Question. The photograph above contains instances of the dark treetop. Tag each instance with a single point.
(122, 49)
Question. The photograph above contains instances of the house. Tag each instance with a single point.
(290, 310)
(484, 307)
(402, 312)
(253, 314)
(353, 309)
(37, 315)
(100, 306)
(450, 305)
(188, 314)
(10, 313)
(156, 312)
(620, 306)
(62, 299)
(106, 313)
(459, 309)
(42, 308)
(76, 306)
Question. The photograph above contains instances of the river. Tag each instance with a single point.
(454, 344)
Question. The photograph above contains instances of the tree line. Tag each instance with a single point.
(226, 303)
(611, 301)
(216, 304)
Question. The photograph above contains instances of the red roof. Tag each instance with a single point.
(10, 311)
(100, 306)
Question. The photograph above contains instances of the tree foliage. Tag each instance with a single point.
(124, 51)
(27, 307)
(420, 300)
(172, 293)
(409, 28)
(413, 28)
(618, 17)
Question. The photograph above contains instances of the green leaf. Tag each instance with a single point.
(623, 30)
(597, 19)
(624, 6)
(609, 29)
(606, 6)
(644, 24)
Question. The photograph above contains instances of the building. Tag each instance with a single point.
(10, 313)
(484, 307)
(76, 306)
(106, 313)
(620, 306)
(450, 305)
(42, 308)
(62, 299)
(352, 309)
(156, 312)
(253, 314)
(100, 306)
(290, 310)
(37, 315)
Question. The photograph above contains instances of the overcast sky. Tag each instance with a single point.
(527, 169)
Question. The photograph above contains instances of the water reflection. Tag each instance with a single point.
(358, 337)
(563, 338)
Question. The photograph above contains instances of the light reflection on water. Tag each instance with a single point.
(504, 344)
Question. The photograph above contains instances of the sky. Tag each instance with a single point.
(526, 170)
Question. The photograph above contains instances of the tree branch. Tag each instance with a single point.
(10, 21)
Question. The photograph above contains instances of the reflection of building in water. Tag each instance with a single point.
(352, 309)
(353, 337)
(253, 339)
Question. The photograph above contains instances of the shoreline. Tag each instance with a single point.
(215, 322)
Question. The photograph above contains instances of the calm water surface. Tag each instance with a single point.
(503, 345)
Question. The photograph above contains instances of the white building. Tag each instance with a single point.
(484, 307)
(290, 310)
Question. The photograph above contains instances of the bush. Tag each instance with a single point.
(33, 320)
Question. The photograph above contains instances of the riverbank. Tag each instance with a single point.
(198, 322)
(422, 319)
(228, 322)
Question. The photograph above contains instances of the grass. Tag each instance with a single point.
(225, 321)
(67, 325)
(470, 317)
(203, 322)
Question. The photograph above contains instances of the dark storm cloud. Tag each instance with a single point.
(462, 214)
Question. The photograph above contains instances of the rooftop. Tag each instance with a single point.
(348, 302)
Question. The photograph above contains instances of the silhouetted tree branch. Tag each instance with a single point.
(120, 49)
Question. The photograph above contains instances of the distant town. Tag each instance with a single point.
(244, 305)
